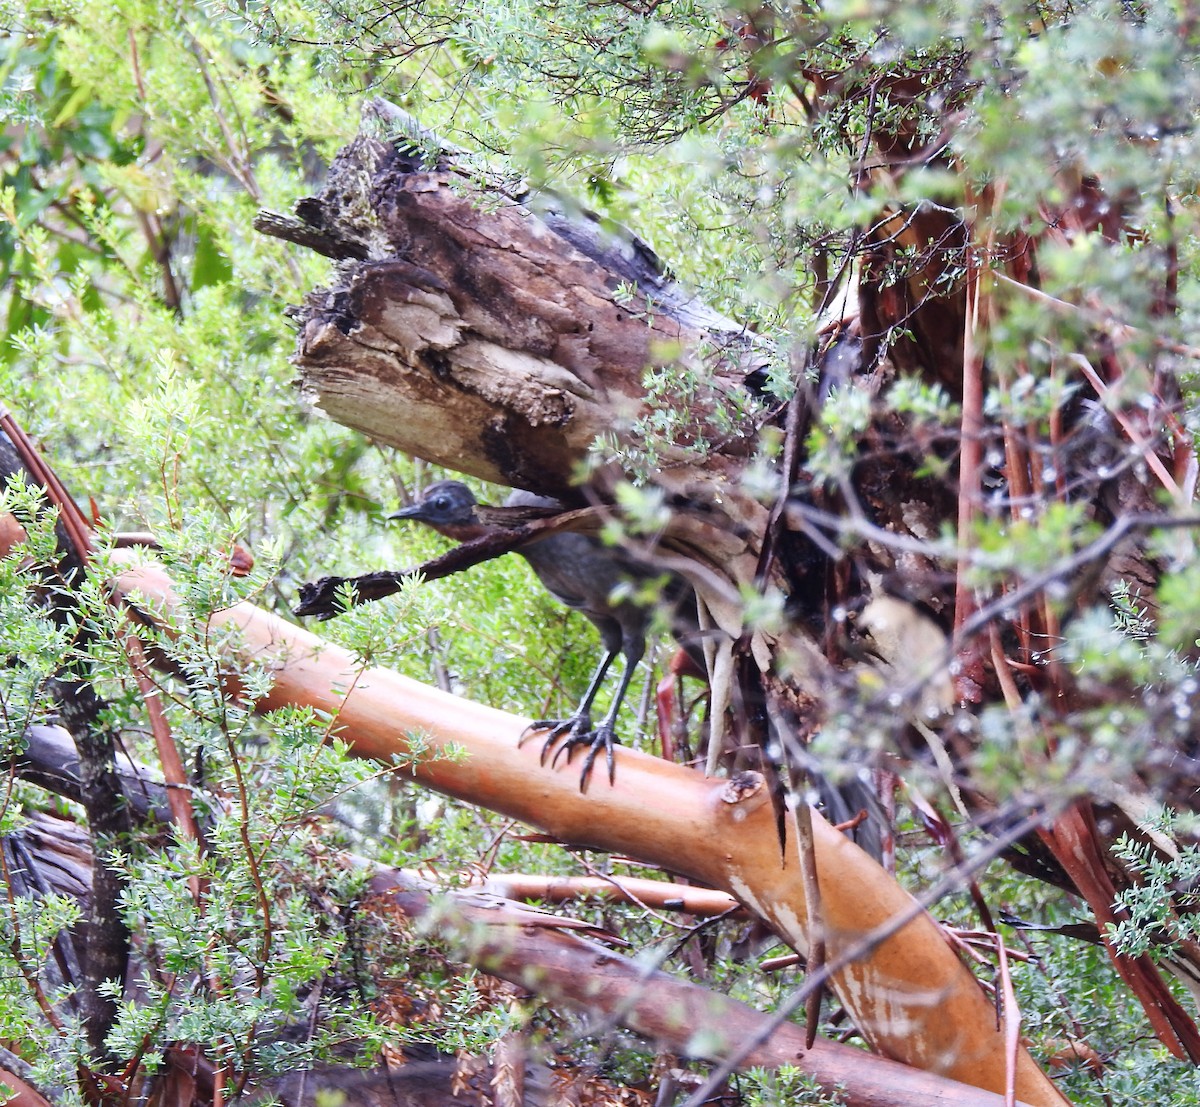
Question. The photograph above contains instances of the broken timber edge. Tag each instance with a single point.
(908, 992)
(496, 331)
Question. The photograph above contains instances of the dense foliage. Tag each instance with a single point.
(146, 343)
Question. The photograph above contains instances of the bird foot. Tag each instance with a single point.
(574, 726)
(579, 732)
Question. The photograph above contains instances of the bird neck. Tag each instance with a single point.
(462, 532)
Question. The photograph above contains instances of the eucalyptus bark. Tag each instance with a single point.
(557, 958)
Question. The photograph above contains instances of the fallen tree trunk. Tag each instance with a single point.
(903, 985)
(892, 968)
(554, 957)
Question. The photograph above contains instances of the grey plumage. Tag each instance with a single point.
(582, 573)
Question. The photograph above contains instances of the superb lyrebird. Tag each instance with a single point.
(582, 572)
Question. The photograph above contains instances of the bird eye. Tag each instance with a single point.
(441, 501)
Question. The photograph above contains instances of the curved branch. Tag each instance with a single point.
(909, 993)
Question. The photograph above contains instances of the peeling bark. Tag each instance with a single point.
(494, 332)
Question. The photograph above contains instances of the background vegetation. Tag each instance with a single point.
(146, 342)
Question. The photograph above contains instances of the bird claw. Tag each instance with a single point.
(602, 736)
(579, 732)
(574, 726)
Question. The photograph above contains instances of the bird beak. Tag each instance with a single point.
(413, 511)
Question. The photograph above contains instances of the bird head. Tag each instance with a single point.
(448, 507)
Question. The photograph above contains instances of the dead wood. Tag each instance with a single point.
(666, 815)
(502, 333)
(554, 957)
(569, 970)
(495, 332)
(509, 320)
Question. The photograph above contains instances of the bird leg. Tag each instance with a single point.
(579, 723)
(605, 735)
(578, 728)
